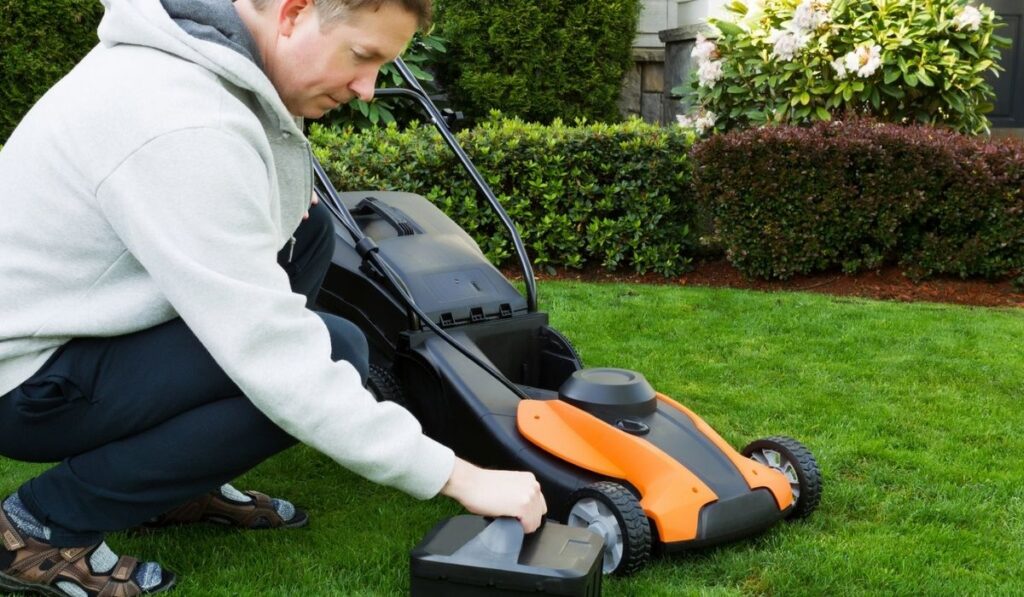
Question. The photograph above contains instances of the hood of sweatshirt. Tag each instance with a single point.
(207, 32)
(214, 21)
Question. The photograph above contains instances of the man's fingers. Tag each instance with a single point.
(534, 508)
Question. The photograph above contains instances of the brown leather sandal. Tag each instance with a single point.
(214, 507)
(28, 565)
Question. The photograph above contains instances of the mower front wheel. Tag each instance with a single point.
(795, 461)
(612, 511)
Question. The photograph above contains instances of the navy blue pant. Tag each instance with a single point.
(144, 422)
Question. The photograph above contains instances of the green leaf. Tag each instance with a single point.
(737, 7)
(726, 27)
(805, 98)
(911, 79)
(756, 116)
(967, 48)
(891, 75)
(895, 92)
(925, 79)
(419, 73)
(736, 89)
(822, 113)
(983, 65)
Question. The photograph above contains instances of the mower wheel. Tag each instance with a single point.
(795, 461)
(384, 386)
(612, 511)
(563, 345)
(572, 350)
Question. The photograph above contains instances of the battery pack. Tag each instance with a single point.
(474, 556)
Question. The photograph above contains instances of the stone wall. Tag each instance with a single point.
(643, 88)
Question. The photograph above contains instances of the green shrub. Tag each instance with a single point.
(538, 59)
(616, 195)
(40, 43)
(797, 61)
(794, 200)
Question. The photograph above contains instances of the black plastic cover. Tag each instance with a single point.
(441, 265)
(612, 391)
(555, 560)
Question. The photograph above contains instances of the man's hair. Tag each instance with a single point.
(331, 11)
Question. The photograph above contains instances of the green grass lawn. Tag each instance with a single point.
(913, 412)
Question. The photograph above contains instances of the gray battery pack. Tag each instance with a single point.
(474, 556)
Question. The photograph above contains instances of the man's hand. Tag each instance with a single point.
(312, 201)
(497, 493)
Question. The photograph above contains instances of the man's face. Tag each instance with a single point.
(317, 70)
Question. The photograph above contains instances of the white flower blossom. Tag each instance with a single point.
(969, 18)
(839, 67)
(786, 44)
(699, 122)
(810, 15)
(709, 72)
(864, 60)
(704, 49)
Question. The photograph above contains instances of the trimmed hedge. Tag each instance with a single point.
(794, 200)
(41, 41)
(537, 59)
(616, 194)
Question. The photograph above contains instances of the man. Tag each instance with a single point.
(154, 335)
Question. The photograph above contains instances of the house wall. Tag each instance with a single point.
(643, 88)
(657, 68)
(1008, 115)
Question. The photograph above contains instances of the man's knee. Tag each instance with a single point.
(320, 228)
(348, 343)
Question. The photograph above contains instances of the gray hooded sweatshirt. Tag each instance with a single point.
(157, 180)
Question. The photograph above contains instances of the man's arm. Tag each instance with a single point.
(192, 207)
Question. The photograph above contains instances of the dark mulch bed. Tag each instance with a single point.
(886, 284)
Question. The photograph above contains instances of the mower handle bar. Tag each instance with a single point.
(416, 92)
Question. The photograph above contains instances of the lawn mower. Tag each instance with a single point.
(453, 341)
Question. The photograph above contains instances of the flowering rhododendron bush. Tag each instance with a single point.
(797, 61)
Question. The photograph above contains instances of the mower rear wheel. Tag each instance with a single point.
(384, 386)
(795, 461)
(612, 511)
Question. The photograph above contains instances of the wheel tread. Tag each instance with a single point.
(809, 472)
(636, 526)
(385, 386)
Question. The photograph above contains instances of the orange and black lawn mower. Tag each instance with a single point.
(452, 340)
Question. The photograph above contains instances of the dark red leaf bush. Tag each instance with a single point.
(861, 194)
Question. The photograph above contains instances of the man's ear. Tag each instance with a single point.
(291, 13)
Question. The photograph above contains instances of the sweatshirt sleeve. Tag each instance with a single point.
(201, 225)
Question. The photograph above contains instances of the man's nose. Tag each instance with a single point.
(363, 86)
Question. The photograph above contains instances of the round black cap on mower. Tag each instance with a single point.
(611, 390)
